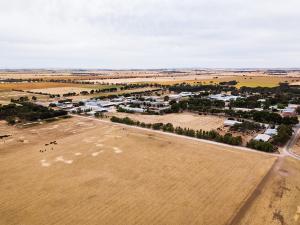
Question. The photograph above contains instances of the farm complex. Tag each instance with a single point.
(149, 147)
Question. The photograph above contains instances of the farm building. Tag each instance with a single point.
(287, 112)
(223, 97)
(174, 97)
(247, 109)
(231, 123)
(138, 110)
(262, 137)
(186, 94)
(271, 132)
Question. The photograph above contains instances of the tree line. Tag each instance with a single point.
(27, 111)
(211, 106)
(201, 134)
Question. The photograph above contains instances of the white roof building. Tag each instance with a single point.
(293, 106)
(99, 103)
(139, 110)
(261, 100)
(186, 94)
(223, 97)
(231, 123)
(288, 110)
(262, 137)
(174, 97)
(271, 132)
(247, 109)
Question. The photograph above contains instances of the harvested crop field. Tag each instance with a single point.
(154, 79)
(184, 120)
(78, 89)
(6, 96)
(278, 200)
(34, 85)
(80, 171)
(60, 90)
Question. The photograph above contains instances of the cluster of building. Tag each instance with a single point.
(267, 135)
(181, 95)
(290, 110)
(224, 97)
(133, 104)
(142, 104)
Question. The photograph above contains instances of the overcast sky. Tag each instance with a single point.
(149, 33)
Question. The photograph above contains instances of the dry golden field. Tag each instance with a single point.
(6, 96)
(60, 90)
(137, 90)
(252, 79)
(277, 201)
(80, 171)
(156, 79)
(184, 120)
(249, 81)
(35, 85)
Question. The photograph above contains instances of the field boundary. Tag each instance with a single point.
(236, 218)
(181, 136)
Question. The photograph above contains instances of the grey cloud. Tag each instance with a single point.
(149, 33)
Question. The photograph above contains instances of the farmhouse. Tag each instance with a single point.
(99, 103)
(132, 109)
(224, 97)
(247, 109)
(174, 97)
(231, 123)
(287, 112)
(271, 132)
(262, 137)
(186, 94)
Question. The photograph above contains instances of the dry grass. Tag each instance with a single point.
(34, 85)
(184, 120)
(279, 201)
(60, 90)
(252, 81)
(137, 90)
(156, 79)
(108, 174)
(6, 96)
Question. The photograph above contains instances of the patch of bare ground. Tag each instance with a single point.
(79, 172)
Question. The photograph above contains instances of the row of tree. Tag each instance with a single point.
(261, 146)
(212, 106)
(211, 88)
(284, 133)
(27, 111)
(246, 126)
(201, 134)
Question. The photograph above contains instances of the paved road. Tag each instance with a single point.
(287, 149)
